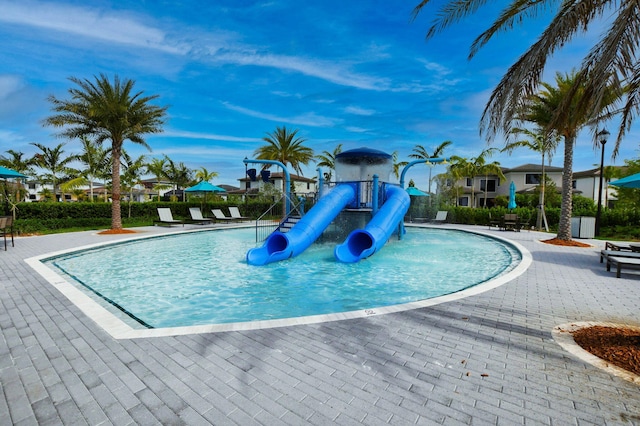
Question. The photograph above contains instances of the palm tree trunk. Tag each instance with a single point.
(564, 227)
(116, 219)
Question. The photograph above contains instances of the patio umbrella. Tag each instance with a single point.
(205, 188)
(10, 174)
(512, 196)
(415, 192)
(632, 181)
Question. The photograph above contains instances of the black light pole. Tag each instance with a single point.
(602, 136)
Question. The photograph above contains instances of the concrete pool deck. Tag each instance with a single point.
(490, 358)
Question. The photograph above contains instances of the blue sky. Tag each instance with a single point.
(355, 73)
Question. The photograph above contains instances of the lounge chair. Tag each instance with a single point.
(621, 246)
(166, 218)
(196, 216)
(6, 227)
(441, 217)
(217, 213)
(235, 213)
(621, 260)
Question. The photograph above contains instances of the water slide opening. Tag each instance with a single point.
(359, 242)
(277, 242)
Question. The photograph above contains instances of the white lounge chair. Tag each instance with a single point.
(196, 216)
(441, 217)
(235, 213)
(166, 217)
(217, 213)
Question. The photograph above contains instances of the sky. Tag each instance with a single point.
(360, 74)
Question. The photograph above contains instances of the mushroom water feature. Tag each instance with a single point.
(362, 204)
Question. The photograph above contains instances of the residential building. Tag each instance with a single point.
(302, 186)
(586, 183)
(525, 177)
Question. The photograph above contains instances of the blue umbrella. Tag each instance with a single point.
(10, 174)
(632, 181)
(415, 192)
(512, 196)
(205, 186)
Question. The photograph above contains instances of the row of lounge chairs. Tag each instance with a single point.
(166, 216)
(621, 256)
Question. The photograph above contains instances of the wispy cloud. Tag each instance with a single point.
(308, 119)
(359, 111)
(92, 23)
(208, 136)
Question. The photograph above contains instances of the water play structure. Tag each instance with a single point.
(362, 203)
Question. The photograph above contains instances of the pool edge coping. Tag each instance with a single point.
(118, 329)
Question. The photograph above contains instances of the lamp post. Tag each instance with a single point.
(601, 136)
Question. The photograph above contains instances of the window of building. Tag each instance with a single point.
(574, 184)
(532, 179)
(32, 186)
(490, 185)
(468, 183)
(463, 201)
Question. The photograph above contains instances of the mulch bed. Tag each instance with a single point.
(616, 345)
(569, 243)
(117, 232)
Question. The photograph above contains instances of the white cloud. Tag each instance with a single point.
(208, 136)
(308, 119)
(9, 84)
(90, 23)
(359, 111)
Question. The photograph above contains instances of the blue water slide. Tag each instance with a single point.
(362, 243)
(280, 246)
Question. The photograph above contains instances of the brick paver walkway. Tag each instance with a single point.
(486, 359)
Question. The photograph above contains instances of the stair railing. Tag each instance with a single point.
(271, 220)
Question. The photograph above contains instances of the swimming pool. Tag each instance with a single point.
(201, 278)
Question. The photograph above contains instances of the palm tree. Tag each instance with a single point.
(54, 162)
(397, 165)
(17, 161)
(477, 166)
(178, 174)
(545, 144)
(421, 153)
(108, 111)
(158, 167)
(328, 159)
(132, 176)
(610, 64)
(284, 146)
(204, 175)
(96, 160)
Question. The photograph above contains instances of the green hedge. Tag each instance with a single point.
(49, 216)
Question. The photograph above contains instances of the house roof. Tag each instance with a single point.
(532, 168)
(280, 175)
(586, 173)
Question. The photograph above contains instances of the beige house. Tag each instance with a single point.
(586, 183)
(302, 186)
(525, 178)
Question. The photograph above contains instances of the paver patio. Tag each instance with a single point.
(486, 359)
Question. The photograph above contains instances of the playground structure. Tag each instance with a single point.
(361, 204)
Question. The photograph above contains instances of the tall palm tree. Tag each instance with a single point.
(97, 165)
(133, 169)
(397, 165)
(611, 63)
(178, 174)
(157, 167)
(286, 147)
(544, 143)
(421, 153)
(204, 175)
(477, 166)
(103, 110)
(20, 163)
(328, 160)
(54, 162)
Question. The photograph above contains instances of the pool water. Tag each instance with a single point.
(202, 277)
